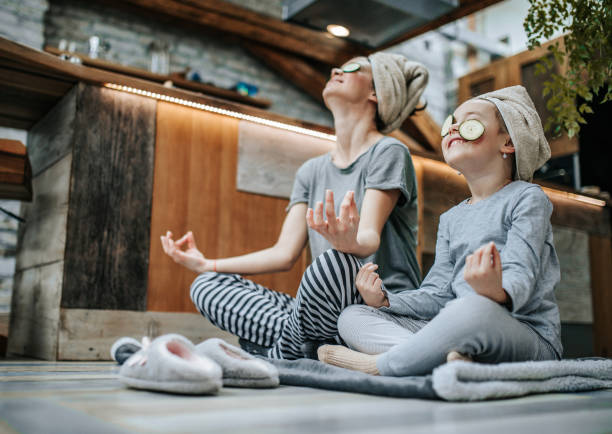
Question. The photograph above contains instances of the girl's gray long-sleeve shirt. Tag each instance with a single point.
(517, 220)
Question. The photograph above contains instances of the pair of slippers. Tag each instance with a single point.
(171, 363)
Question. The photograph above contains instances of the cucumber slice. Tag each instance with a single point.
(471, 129)
(446, 125)
(351, 67)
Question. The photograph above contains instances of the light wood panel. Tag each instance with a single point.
(87, 334)
(268, 158)
(195, 189)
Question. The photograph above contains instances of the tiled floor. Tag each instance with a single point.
(85, 397)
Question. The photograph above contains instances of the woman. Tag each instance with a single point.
(377, 218)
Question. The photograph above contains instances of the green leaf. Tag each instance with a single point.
(587, 26)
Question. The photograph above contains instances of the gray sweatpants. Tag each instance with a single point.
(472, 325)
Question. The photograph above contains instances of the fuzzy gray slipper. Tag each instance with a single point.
(240, 369)
(123, 348)
(170, 364)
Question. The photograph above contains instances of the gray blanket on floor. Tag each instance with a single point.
(457, 381)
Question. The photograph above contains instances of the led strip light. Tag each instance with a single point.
(221, 111)
(578, 197)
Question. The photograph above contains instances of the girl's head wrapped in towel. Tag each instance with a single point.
(503, 123)
(399, 84)
(524, 127)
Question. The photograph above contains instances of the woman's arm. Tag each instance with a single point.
(347, 232)
(280, 257)
(375, 211)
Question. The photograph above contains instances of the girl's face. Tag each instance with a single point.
(351, 82)
(465, 155)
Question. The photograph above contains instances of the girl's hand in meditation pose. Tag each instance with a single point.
(340, 231)
(185, 252)
(483, 271)
(369, 285)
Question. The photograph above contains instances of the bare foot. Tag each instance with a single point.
(455, 355)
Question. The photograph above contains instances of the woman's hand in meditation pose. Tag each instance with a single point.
(185, 252)
(483, 271)
(340, 231)
(369, 285)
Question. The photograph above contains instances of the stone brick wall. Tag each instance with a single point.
(22, 21)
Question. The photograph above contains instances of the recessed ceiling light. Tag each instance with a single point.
(337, 30)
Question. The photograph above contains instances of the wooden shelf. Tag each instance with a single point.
(33, 81)
(176, 79)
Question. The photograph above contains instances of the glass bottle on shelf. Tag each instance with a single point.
(160, 57)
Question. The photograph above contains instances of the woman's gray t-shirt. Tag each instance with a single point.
(386, 165)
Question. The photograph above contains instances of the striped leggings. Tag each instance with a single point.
(277, 320)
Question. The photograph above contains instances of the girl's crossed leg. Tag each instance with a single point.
(472, 325)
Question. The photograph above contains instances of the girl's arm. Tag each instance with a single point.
(527, 239)
(435, 291)
(280, 257)
(483, 271)
(347, 232)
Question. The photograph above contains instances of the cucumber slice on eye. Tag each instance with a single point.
(471, 129)
(446, 125)
(351, 67)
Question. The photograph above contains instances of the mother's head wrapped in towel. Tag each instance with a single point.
(399, 84)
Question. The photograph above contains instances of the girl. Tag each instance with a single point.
(368, 98)
(489, 295)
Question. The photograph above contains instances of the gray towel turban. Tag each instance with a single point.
(531, 149)
(398, 83)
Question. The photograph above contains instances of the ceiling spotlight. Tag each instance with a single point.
(337, 30)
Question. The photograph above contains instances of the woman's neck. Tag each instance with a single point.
(355, 133)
